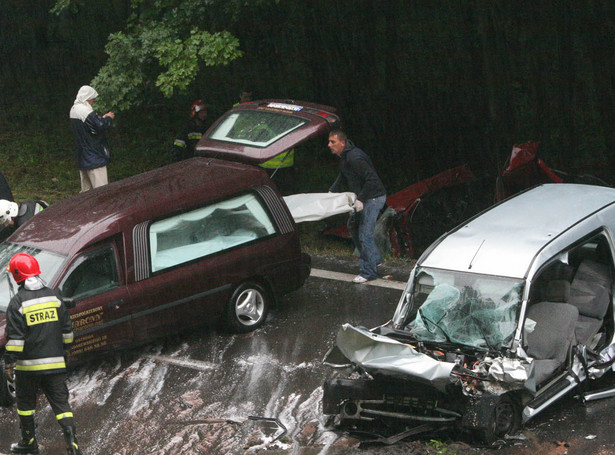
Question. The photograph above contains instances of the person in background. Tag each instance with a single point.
(244, 97)
(38, 331)
(13, 215)
(191, 132)
(357, 173)
(89, 131)
(5, 189)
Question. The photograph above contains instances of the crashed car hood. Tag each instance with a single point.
(289, 122)
(376, 352)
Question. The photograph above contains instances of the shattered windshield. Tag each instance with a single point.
(474, 310)
(49, 263)
(255, 128)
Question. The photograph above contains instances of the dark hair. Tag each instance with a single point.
(340, 135)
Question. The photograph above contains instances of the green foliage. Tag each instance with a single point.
(38, 166)
(61, 5)
(420, 86)
(440, 448)
(181, 58)
(162, 48)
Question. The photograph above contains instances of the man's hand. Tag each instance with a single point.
(109, 114)
(358, 206)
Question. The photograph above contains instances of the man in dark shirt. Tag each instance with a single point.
(5, 189)
(358, 175)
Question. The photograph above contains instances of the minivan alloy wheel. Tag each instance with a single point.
(248, 307)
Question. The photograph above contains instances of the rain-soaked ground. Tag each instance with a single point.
(196, 393)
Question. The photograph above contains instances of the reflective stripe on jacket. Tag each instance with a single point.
(187, 138)
(286, 159)
(38, 330)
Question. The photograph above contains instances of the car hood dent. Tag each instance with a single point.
(377, 352)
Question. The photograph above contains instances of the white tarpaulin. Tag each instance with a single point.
(317, 206)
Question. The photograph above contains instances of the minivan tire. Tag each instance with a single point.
(248, 307)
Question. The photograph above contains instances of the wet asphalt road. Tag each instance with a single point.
(193, 394)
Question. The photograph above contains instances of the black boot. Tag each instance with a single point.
(28, 442)
(71, 441)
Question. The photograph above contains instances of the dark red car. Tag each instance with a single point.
(258, 131)
(189, 244)
(272, 134)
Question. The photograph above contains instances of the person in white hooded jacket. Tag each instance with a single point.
(89, 130)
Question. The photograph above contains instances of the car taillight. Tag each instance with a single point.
(330, 118)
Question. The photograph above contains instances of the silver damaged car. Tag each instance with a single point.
(500, 318)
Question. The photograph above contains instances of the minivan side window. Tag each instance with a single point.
(91, 274)
(207, 230)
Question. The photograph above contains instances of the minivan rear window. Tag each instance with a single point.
(255, 128)
(207, 230)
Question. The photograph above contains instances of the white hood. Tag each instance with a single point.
(81, 108)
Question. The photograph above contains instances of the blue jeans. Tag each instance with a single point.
(361, 226)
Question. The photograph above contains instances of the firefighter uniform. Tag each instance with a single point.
(187, 138)
(38, 330)
(191, 133)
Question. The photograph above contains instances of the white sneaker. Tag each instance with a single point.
(359, 279)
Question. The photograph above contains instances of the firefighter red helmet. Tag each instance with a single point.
(23, 266)
(197, 106)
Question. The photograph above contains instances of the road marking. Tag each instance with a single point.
(339, 276)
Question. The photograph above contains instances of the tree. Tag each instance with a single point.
(162, 49)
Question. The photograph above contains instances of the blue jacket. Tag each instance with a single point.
(91, 148)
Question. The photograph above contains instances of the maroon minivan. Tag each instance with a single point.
(195, 242)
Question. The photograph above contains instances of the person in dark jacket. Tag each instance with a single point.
(5, 189)
(89, 131)
(191, 132)
(38, 330)
(358, 175)
(13, 215)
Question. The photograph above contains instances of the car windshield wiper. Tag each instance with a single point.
(426, 319)
(479, 325)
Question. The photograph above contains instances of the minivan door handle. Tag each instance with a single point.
(115, 304)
